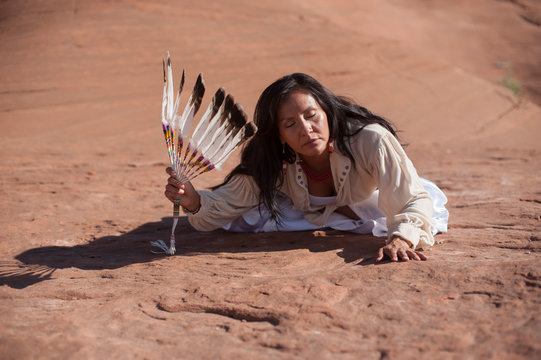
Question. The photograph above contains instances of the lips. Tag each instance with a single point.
(310, 142)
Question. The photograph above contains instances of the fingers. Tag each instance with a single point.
(416, 255)
(396, 253)
(402, 254)
(170, 171)
(175, 190)
(174, 182)
(387, 252)
(173, 187)
(391, 253)
(380, 255)
(413, 255)
(172, 192)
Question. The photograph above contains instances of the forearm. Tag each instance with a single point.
(414, 222)
(215, 212)
(221, 206)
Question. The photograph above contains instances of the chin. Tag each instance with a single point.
(313, 151)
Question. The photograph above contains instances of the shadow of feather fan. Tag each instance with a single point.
(222, 128)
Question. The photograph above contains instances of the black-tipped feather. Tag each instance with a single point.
(181, 82)
(217, 101)
(198, 93)
(210, 113)
(163, 63)
(228, 106)
(249, 130)
(221, 129)
(238, 119)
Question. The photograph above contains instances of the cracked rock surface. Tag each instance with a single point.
(82, 162)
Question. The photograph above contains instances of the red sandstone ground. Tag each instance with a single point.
(81, 182)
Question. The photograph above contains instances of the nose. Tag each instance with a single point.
(306, 126)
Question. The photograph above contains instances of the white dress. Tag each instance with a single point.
(372, 220)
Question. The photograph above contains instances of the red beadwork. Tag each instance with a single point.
(313, 176)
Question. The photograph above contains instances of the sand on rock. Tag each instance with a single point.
(82, 162)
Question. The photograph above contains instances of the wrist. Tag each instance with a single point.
(193, 209)
(396, 237)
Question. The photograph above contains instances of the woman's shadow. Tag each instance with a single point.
(112, 252)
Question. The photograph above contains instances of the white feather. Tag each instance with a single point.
(170, 93)
(203, 139)
(164, 98)
(208, 117)
(228, 148)
(214, 137)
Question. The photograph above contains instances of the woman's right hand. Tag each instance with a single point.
(189, 197)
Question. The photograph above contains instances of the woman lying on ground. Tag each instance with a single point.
(320, 161)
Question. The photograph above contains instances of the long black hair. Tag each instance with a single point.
(262, 156)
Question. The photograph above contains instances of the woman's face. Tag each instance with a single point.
(303, 125)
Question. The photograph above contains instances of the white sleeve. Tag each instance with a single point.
(402, 197)
(221, 206)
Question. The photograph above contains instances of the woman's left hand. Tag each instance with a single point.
(399, 249)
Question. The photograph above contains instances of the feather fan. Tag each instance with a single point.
(222, 128)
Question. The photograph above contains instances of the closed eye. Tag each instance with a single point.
(290, 124)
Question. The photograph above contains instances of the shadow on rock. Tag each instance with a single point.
(112, 252)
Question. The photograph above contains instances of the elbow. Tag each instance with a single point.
(200, 225)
